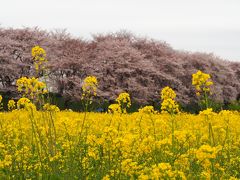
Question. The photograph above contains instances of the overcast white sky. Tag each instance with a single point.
(192, 25)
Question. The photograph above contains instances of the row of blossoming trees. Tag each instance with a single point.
(118, 60)
(34, 91)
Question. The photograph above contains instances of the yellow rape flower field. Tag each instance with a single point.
(38, 141)
(142, 145)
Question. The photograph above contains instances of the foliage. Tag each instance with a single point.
(235, 105)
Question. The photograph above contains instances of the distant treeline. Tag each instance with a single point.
(120, 61)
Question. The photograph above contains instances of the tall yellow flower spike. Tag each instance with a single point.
(89, 86)
(124, 101)
(168, 93)
(168, 103)
(11, 105)
(39, 57)
(202, 82)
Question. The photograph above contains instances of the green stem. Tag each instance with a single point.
(206, 99)
(173, 129)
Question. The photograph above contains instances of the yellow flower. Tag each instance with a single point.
(143, 177)
(168, 103)
(23, 102)
(114, 108)
(11, 105)
(107, 177)
(7, 160)
(49, 107)
(162, 171)
(225, 113)
(207, 152)
(93, 153)
(147, 110)
(164, 166)
(89, 87)
(124, 98)
(37, 51)
(207, 112)
(39, 57)
(129, 167)
(170, 106)
(167, 93)
(124, 101)
(202, 82)
(31, 87)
